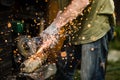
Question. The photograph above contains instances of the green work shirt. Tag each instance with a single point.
(95, 22)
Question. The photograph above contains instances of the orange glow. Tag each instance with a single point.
(63, 54)
(9, 25)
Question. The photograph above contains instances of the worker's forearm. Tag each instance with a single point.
(71, 12)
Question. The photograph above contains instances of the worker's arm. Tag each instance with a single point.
(74, 9)
(70, 12)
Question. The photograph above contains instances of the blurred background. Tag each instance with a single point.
(30, 17)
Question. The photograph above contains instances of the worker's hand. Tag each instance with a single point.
(33, 62)
(30, 65)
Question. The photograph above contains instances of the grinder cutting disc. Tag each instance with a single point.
(26, 46)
